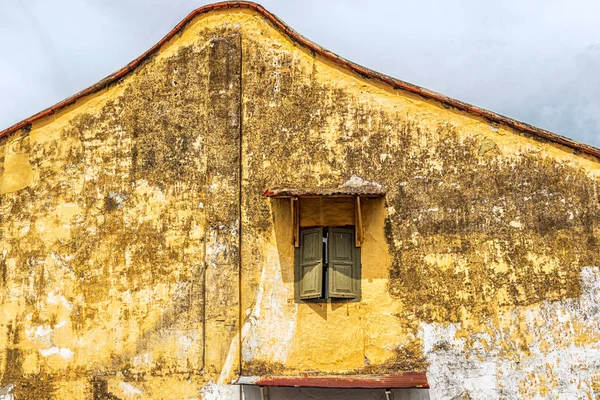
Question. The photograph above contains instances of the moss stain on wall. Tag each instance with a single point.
(121, 248)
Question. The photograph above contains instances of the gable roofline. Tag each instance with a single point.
(315, 48)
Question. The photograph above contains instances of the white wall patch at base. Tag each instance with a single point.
(213, 391)
(556, 363)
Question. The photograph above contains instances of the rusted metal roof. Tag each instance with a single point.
(337, 192)
(315, 48)
(387, 381)
(355, 186)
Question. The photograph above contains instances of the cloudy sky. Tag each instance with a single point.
(536, 61)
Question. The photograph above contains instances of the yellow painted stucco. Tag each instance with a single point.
(137, 251)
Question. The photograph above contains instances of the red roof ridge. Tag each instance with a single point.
(363, 71)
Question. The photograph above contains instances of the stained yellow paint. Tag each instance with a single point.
(17, 172)
(120, 228)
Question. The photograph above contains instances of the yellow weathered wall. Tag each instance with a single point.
(114, 212)
(125, 218)
(478, 266)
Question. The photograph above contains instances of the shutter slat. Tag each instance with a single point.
(309, 264)
(344, 264)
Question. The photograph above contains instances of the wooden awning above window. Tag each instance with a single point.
(354, 187)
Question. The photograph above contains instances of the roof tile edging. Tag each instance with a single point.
(363, 71)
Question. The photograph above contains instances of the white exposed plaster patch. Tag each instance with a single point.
(492, 363)
(515, 224)
(61, 261)
(499, 211)
(56, 299)
(6, 392)
(40, 226)
(38, 333)
(227, 368)
(356, 181)
(25, 228)
(127, 257)
(129, 390)
(213, 391)
(61, 351)
(117, 199)
(185, 341)
(217, 246)
(233, 347)
(143, 359)
(269, 322)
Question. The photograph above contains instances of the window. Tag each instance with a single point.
(327, 264)
(326, 231)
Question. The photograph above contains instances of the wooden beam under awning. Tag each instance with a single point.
(358, 225)
(295, 214)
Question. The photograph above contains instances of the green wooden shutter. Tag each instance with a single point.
(344, 264)
(309, 264)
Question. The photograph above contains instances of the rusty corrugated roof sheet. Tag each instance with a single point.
(315, 48)
(387, 381)
(339, 192)
(355, 186)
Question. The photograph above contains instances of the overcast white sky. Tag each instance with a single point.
(533, 60)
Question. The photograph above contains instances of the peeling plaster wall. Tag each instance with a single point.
(560, 358)
(125, 219)
(479, 223)
(114, 214)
